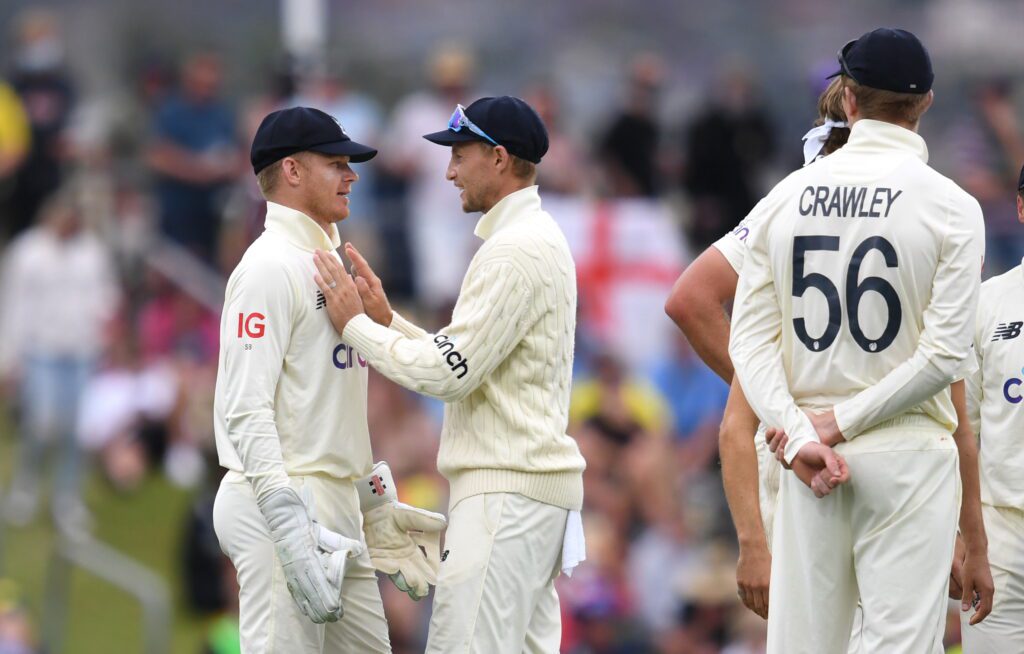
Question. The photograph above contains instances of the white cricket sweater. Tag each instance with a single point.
(859, 290)
(503, 365)
(995, 391)
(291, 396)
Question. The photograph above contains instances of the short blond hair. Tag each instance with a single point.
(523, 169)
(906, 108)
(268, 178)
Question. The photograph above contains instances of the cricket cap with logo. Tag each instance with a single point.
(303, 129)
(887, 59)
(506, 121)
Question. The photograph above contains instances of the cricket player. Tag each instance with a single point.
(290, 420)
(697, 305)
(994, 398)
(750, 470)
(504, 368)
(853, 314)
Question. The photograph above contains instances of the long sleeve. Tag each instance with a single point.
(947, 335)
(406, 328)
(255, 333)
(489, 320)
(755, 347)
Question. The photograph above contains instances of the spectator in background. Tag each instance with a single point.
(436, 226)
(985, 147)
(58, 294)
(47, 94)
(619, 404)
(727, 146)
(195, 156)
(564, 168)
(629, 150)
(696, 397)
(15, 137)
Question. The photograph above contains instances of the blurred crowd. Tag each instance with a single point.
(119, 225)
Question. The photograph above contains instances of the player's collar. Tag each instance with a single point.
(520, 202)
(868, 135)
(299, 229)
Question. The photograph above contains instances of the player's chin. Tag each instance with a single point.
(341, 210)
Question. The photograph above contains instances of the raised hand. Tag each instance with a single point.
(375, 301)
(340, 292)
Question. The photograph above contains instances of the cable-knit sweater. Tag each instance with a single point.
(504, 364)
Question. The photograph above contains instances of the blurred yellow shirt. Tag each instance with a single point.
(15, 133)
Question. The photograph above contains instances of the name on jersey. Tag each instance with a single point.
(447, 347)
(848, 201)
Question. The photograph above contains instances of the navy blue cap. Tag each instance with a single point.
(507, 121)
(887, 59)
(301, 129)
(1020, 180)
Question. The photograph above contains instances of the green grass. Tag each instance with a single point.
(145, 524)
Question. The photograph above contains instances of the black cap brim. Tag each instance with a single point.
(356, 152)
(447, 137)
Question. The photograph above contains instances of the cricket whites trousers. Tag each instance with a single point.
(885, 537)
(269, 620)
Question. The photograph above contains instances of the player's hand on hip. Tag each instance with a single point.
(753, 573)
(827, 427)
(308, 570)
(375, 301)
(396, 532)
(338, 288)
(978, 587)
(826, 480)
(831, 466)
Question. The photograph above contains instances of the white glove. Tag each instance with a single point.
(395, 532)
(312, 556)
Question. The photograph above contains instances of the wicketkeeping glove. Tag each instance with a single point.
(395, 532)
(313, 557)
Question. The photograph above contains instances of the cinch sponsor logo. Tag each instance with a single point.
(251, 325)
(454, 360)
(343, 357)
(1011, 389)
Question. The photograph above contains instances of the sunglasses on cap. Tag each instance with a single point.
(459, 120)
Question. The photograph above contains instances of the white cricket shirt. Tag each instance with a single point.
(996, 390)
(291, 395)
(859, 289)
(503, 365)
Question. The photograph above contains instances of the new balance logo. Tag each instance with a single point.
(444, 557)
(1007, 330)
(321, 301)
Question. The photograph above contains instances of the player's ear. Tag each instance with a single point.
(502, 159)
(291, 171)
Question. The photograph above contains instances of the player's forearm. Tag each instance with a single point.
(906, 386)
(972, 527)
(707, 329)
(405, 327)
(697, 305)
(417, 364)
(739, 469)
